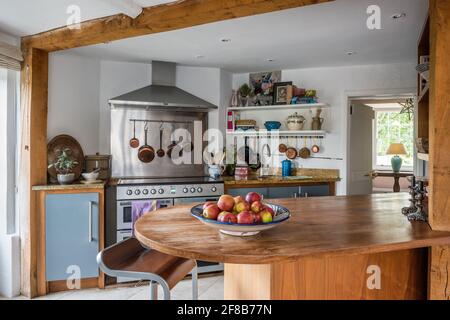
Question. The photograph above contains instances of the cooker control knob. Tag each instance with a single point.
(137, 192)
(200, 190)
(153, 191)
(185, 190)
(192, 190)
(145, 191)
(161, 191)
(129, 192)
(213, 189)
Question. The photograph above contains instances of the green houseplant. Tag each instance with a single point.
(64, 166)
(245, 92)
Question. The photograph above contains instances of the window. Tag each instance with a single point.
(8, 134)
(393, 127)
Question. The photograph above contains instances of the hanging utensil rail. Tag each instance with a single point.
(161, 121)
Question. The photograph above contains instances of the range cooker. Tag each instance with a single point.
(161, 193)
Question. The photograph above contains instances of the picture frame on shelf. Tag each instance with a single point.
(282, 93)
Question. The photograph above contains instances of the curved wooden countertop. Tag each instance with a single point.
(324, 226)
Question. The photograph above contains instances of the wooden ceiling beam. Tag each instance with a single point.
(161, 18)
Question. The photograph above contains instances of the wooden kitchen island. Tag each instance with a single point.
(351, 247)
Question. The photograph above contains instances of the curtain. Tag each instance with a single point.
(10, 56)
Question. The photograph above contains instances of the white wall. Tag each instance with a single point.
(80, 87)
(203, 83)
(73, 99)
(117, 78)
(333, 84)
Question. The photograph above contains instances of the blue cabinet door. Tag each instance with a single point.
(283, 192)
(72, 235)
(315, 191)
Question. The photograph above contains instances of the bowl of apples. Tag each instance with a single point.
(239, 216)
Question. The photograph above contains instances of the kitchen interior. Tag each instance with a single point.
(127, 118)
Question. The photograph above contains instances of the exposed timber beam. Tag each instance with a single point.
(161, 18)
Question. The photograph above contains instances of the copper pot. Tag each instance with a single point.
(146, 153)
(134, 142)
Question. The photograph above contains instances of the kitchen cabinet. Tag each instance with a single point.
(315, 191)
(72, 235)
(71, 232)
(284, 192)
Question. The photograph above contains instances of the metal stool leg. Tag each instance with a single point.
(166, 291)
(153, 290)
(194, 283)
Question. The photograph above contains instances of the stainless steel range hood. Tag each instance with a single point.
(162, 94)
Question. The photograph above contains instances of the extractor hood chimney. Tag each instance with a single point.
(162, 94)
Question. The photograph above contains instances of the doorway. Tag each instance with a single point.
(379, 127)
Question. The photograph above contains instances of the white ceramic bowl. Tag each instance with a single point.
(243, 230)
(91, 176)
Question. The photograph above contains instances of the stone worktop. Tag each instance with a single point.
(70, 187)
(300, 176)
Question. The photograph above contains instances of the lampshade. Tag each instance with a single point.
(396, 149)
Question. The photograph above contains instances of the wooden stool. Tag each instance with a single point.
(130, 259)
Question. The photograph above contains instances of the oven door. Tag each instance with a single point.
(124, 215)
(125, 211)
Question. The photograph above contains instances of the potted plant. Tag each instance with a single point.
(64, 165)
(245, 92)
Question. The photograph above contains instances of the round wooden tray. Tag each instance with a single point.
(62, 142)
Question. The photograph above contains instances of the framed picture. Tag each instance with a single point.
(262, 83)
(281, 93)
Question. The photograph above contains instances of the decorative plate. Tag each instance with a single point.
(62, 142)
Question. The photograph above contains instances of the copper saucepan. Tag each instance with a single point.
(134, 142)
(146, 153)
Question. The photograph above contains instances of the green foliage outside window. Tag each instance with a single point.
(393, 127)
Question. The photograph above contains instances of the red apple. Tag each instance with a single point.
(266, 217)
(211, 212)
(238, 199)
(241, 206)
(257, 206)
(267, 208)
(226, 203)
(207, 204)
(245, 217)
(257, 219)
(227, 217)
(252, 197)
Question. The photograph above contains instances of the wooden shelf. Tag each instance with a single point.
(423, 156)
(280, 133)
(305, 106)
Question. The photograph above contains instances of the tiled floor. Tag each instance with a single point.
(209, 288)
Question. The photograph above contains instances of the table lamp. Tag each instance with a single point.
(396, 149)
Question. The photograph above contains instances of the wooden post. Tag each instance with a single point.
(33, 158)
(439, 203)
